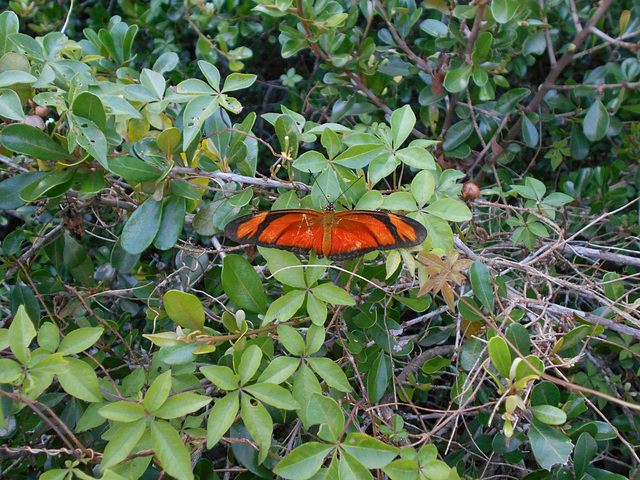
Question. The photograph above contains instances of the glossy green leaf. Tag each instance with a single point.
(222, 416)
(249, 363)
(124, 412)
(303, 462)
(450, 209)
(549, 446)
(80, 381)
(457, 134)
(508, 102)
(456, 80)
(171, 452)
(585, 451)
(238, 81)
(142, 227)
(222, 377)
(258, 421)
(21, 333)
(90, 137)
(549, 414)
(171, 224)
(184, 309)
(369, 451)
(181, 404)
(503, 10)
(132, 169)
(596, 122)
(285, 307)
(10, 370)
(330, 373)
(291, 340)
(54, 184)
(195, 113)
(10, 105)
(402, 122)
(280, 368)
(11, 187)
(271, 394)
(500, 356)
(158, 392)
(30, 141)
(122, 443)
(482, 284)
(333, 294)
(80, 340)
(89, 105)
(242, 284)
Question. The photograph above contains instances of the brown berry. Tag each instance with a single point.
(470, 191)
(43, 112)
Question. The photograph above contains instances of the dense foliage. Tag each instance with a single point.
(135, 340)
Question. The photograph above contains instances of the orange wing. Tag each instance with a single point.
(338, 236)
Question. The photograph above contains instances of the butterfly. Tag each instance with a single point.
(335, 235)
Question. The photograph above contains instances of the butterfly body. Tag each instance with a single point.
(336, 235)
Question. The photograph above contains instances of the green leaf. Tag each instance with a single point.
(80, 340)
(456, 80)
(10, 105)
(279, 262)
(435, 28)
(326, 412)
(171, 452)
(122, 443)
(80, 381)
(249, 363)
(330, 373)
(11, 187)
(280, 368)
(271, 394)
(158, 392)
(222, 377)
(21, 333)
(500, 355)
(316, 309)
(529, 132)
(222, 416)
(585, 451)
(142, 227)
(10, 370)
(372, 453)
(195, 113)
(238, 81)
(242, 284)
(311, 161)
(291, 340)
(171, 223)
(457, 134)
(596, 121)
(184, 309)
(133, 169)
(549, 414)
(549, 446)
(404, 469)
(613, 286)
(508, 101)
(54, 184)
(124, 412)
(450, 209)
(258, 421)
(402, 122)
(30, 141)
(303, 462)
(9, 24)
(181, 404)
(333, 294)
(503, 10)
(88, 105)
(91, 138)
(285, 307)
(357, 156)
(482, 284)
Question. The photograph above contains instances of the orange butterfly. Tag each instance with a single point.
(335, 235)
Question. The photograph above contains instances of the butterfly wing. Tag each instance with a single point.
(295, 230)
(357, 232)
